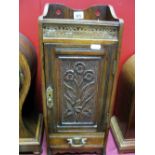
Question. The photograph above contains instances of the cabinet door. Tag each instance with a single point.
(79, 77)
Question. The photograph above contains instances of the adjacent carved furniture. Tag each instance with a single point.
(79, 55)
(30, 121)
(123, 122)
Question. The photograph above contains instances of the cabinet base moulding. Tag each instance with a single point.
(33, 145)
(124, 145)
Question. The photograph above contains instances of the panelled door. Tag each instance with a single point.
(77, 85)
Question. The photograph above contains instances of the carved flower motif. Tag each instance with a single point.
(79, 67)
(79, 93)
(88, 76)
(69, 75)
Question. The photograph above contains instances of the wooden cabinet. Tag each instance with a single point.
(79, 55)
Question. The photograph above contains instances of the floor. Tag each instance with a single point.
(111, 148)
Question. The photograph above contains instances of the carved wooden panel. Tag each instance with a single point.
(79, 88)
(80, 31)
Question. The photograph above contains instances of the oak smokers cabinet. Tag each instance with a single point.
(79, 55)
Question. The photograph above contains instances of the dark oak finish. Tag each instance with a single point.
(123, 123)
(79, 64)
(30, 121)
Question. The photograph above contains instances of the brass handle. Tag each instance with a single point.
(77, 141)
(49, 96)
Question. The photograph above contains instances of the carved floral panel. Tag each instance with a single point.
(79, 90)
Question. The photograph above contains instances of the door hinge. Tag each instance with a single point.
(49, 96)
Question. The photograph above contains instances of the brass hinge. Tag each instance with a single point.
(49, 96)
